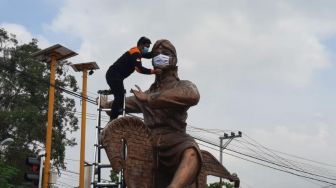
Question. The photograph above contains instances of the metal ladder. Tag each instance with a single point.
(97, 166)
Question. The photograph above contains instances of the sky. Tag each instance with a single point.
(266, 68)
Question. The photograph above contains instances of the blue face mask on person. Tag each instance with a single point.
(145, 50)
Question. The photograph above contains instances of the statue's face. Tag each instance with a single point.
(164, 54)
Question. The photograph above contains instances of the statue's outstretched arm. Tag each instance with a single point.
(184, 94)
(132, 105)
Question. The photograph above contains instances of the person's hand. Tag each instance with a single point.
(139, 94)
(157, 71)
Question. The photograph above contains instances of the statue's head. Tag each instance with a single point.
(164, 54)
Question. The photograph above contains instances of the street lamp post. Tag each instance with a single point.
(83, 67)
(51, 55)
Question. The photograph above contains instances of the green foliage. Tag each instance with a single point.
(220, 185)
(6, 174)
(114, 177)
(24, 86)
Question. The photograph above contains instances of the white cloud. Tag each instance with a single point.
(316, 141)
(234, 44)
(233, 49)
(23, 35)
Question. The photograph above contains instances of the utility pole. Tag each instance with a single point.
(83, 67)
(51, 55)
(229, 138)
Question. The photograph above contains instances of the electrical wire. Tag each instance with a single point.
(267, 156)
(265, 165)
(295, 156)
(279, 165)
(277, 159)
(64, 184)
(286, 161)
(77, 173)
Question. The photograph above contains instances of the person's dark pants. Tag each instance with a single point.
(116, 84)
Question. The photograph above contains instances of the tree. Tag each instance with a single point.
(220, 185)
(24, 85)
(114, 177)
(6, 174)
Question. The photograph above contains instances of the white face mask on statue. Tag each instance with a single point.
(161, 61)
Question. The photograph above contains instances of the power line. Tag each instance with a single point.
(69, 178)
(291, 168)
(219, 132)
(295, 156)
(303, 176)
(77, 173)
(72, 172)
(273, 163)
(276, 159)
(65, 184)
(289, 162)
(71, 159)
(312, 178)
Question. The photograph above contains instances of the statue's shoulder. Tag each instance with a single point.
(186, 83)
(188, 86)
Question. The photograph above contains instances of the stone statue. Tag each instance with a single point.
(177, 159)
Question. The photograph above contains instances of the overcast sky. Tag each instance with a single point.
(264, 67)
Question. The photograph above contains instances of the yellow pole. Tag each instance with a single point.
(83, 129)
(50, 121)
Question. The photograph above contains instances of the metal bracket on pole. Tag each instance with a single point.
(230, 138)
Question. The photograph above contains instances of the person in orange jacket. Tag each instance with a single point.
(123, 68)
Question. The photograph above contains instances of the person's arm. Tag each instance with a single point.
(143, 70)
(136, 60)
(148, 55)
(185, 94)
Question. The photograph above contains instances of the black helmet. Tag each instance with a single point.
(143, 41)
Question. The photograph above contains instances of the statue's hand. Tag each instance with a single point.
(139, 94)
